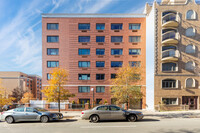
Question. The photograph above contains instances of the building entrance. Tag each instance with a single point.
(191, 101)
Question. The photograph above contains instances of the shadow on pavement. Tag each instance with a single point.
(148, 120)
(143, 120)
(57, 121)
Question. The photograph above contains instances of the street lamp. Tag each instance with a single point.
(92, 89)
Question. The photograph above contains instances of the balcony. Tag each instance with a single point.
(170, 55)
(170, 37)
(170, 20)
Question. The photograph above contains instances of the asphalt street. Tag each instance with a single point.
(148, 125)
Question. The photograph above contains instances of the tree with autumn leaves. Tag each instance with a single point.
(55, 91)
(27, 97)
(125, 86)
(5, 99)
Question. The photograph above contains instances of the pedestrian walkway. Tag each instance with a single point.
(150, 113)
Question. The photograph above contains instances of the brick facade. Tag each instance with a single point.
(68, 57)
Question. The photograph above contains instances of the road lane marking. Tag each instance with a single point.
(106, 126)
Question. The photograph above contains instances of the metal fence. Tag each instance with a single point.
(54, 105)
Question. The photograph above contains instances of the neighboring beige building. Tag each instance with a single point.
(17, 80)
(176, 42)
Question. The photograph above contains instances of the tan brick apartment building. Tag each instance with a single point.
(17, 80)
(92, 47)
(176, 42)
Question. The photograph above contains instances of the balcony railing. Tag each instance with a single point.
(170, 20)
(170, 55)
(170, 37)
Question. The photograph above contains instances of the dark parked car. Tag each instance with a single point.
(29, 114)
(111, 112)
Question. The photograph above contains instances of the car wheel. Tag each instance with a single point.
(9, 119)
(132, 118)
(94, 118)
(44, 119)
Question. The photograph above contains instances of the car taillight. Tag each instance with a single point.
(82, 112)
(2, 113)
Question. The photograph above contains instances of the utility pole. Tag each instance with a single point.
(92, 89)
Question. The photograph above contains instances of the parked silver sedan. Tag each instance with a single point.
(29, 114)
(111, 112)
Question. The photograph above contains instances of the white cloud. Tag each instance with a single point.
(56, 4)
(98, 6)
(137, 10)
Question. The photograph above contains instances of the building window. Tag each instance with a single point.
(84, 39)
(191, 14)
(100, 38)
(52, 38)
(113, 76)
(169, 83)
(168, 47)
(27, 84)
(190, 49)
(100, 64)
(134, 26)
(170, 101)
(83, 26)
(52, 63)
(100, 76)
(116, 38)
(116, 63)
(52, 51)
(134, 51)
(169, 67)
(135, 63)
(84, 64)
(98, 101)
(190, 32)
(52, 26)
(84, 89)
(134, 39)
(116, 26)
(84, 51)
(100, 89)
(83, 76)
(48, 76)
(116, 51)
(100, 26)
(190, 65)
(190, 82)
(100, 51)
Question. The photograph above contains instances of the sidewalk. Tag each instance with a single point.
(148, 113)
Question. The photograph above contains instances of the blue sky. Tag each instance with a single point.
(20, 27)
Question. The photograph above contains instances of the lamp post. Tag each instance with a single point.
(92, 89)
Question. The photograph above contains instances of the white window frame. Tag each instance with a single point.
(193, 84)
(194, 48)
(177, 81)
(191, 35)
(194, 13)
(177, 101)
(193, 65)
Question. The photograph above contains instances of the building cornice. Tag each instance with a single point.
(93, 15)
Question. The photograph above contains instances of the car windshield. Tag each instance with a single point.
(41, 109)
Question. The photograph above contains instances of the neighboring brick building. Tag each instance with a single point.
(175, 38)
(17, 80)
(92, 47)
